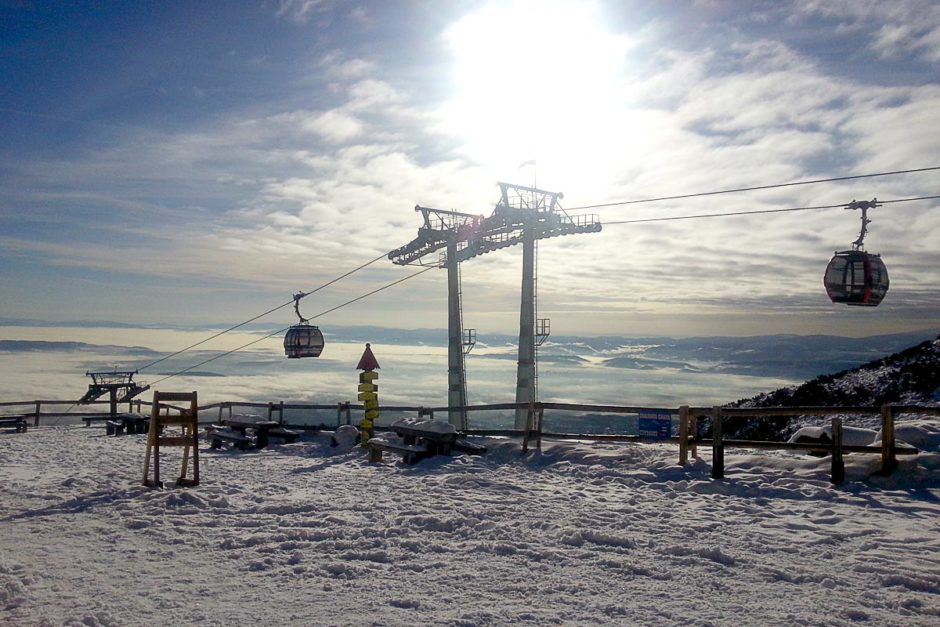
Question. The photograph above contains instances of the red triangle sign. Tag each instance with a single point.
(367, 361)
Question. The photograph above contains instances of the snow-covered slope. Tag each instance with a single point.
(579, 534)
(911, 376)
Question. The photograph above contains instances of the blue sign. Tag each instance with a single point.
(655, 423)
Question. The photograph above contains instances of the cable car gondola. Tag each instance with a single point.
(856, 277)
(303, 339)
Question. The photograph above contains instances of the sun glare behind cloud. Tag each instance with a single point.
(543, 81)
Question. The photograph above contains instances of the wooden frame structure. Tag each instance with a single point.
(187, 420)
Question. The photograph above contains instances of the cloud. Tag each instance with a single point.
(338, 67)
(890, 29)
(335, 126)
(299, 11)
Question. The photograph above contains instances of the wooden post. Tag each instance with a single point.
(281, 411)
(36, 417)
(220, 412)
(270, 409)
(888, 460)
(683, 435)
(838, 465)
(693, 428)
(718, 445)
(529, 426)
(541, 419)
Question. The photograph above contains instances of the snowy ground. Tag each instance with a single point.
(580, 533)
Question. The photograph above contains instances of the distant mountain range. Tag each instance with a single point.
(789, 357)
(30, 346)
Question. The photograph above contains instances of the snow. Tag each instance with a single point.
(851, 436)
(579, 533)
(429, 426)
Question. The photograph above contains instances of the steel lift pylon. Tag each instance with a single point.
(523, 215)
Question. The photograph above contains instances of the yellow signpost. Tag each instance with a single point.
(368, 394)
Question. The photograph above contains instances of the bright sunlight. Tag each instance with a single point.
(540, 81)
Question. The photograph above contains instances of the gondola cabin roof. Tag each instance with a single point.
(856, 277)
(303, 340)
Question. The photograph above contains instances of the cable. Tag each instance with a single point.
(751, 189)
(279, 331)
(291, 302)
(628, 202)
(746, 213)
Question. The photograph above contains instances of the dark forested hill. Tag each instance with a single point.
(911, 376)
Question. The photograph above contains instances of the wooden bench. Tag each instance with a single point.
(411, 453)
(288, 435)
(127, 423)
(437, 437)
(421, 439)
(243, 424)
(470, 448)
(17, 423)
(216, 434)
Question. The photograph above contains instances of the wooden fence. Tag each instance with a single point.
(688, 438)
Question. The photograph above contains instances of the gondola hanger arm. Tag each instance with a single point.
(297, 298)
(864, 206)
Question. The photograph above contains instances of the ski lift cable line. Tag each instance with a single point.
(755, 188)
(280, 331)
(756, 211)
(269, 311)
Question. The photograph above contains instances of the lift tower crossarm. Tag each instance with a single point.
(440, 227)
(525, 209)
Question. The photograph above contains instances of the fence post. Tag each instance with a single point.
(281, 410)
(718, 445)
(888, 460)
(530, 418)
(683, 435)
(838, 465)
(541, 418)
(693, 428)
(36, 417)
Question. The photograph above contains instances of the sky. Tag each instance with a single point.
(184, 163)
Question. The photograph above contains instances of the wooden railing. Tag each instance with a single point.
(888, 448)
(688, 438)
(36, 409)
